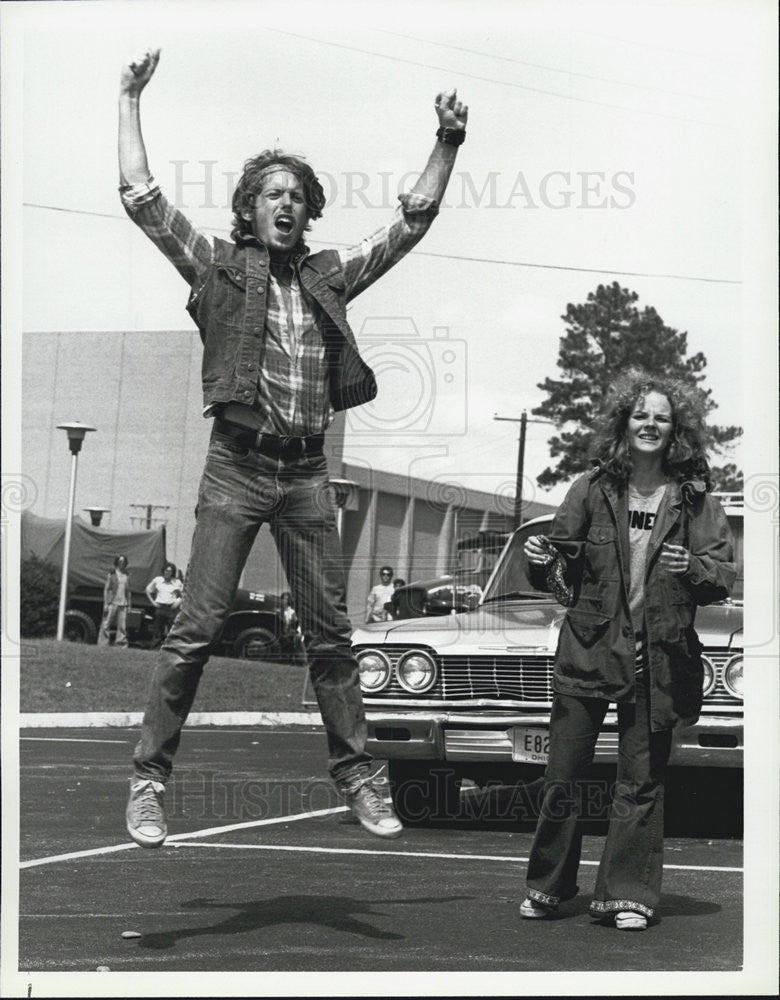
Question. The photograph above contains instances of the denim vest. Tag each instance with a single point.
(228, 306)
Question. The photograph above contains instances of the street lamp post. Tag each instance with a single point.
(344, 493)
(76, 433)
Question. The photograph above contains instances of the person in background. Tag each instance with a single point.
(165, 594)
(291, 638)
(391, 608)
(642, 545)
(117, 601)
(379, 596)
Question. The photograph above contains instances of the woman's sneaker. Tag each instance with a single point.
(530, 909)
(627, 920)
(145, 815)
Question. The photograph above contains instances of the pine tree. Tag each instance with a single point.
(604, 336)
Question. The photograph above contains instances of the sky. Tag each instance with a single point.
(606, 142)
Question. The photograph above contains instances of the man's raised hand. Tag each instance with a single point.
(452, 112)
(137, 73)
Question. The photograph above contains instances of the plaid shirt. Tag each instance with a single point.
(292, 389)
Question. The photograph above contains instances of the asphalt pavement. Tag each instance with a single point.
(264, 870)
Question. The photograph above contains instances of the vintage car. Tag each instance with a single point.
(468, 695)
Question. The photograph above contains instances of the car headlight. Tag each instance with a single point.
(375, 670)
(709, 676)
(732, 677)
(416, 671)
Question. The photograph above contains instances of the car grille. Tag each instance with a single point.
(513, 677)
(519, 678)
(720, 694)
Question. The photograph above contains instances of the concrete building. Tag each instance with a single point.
(142, 392)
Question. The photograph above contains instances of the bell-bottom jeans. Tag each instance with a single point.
(240, 490)
(629, 875)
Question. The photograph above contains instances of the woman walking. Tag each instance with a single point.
(640, 543)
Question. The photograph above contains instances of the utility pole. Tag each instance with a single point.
(523, 420)
(147, 517)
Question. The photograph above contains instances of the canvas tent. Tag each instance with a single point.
(93, 550)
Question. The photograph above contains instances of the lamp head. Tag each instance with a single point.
(76, 432)
(96, 514)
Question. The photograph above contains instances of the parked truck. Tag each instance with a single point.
(252, 630)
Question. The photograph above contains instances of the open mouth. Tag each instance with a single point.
(285, 224)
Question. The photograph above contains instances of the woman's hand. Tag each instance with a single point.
(674, 558)
(537, 549)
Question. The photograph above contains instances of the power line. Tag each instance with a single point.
(551, 69)
(487, 79)
(443, 256)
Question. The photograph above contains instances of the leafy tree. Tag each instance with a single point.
(604, 336)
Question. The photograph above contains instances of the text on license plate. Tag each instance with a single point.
(531, 746)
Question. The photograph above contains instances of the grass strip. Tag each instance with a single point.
(71, 677)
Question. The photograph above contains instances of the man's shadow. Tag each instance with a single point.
(341, 913)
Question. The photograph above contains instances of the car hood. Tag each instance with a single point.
(720, 625)
(514, 626)
(500, 627)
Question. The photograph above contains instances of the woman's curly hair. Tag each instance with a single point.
(685, 456)
(251, 183)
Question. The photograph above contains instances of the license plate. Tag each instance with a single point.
(531, 746)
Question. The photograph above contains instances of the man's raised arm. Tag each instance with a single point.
(133, 165)
(453, 115)
(374, 256)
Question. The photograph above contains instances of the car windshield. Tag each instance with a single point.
(511, 578)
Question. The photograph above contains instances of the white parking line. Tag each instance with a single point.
(185, 840)
(209, 832)
(66, 739)
(419, 854)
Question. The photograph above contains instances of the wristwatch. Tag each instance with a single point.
(451, 136)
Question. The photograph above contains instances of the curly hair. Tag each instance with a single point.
(251, 183)
(685, 456)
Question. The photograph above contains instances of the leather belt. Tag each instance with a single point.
(272, 445)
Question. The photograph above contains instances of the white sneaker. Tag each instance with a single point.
(373, 813)
(530, 909)
(627, 920)
(145, 816)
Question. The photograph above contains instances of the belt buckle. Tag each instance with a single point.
(292, 447)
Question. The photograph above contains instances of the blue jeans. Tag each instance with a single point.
(239, 491)
(629, 875)
(114, 613)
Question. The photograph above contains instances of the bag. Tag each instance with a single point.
(555, 579)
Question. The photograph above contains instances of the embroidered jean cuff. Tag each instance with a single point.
(544, 898)
(602, 907)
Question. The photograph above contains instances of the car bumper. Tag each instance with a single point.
(460, 736)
